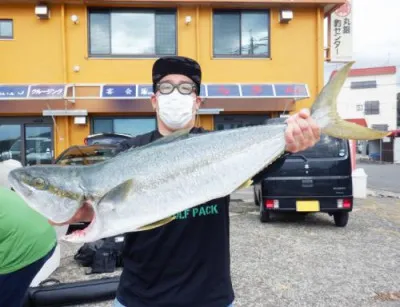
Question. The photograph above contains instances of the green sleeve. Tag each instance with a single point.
(25, 235)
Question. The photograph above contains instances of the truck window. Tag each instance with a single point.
(327, 147)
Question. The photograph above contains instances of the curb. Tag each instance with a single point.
(380, 193)
(370, 161)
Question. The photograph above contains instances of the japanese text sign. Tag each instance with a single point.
(46, 91)
(115, 91)
(341, 33)
(13, 91)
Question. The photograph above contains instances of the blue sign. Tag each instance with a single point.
(113, 91)
(257, 90)
(46, 91)
(13, 91)
(202, 90)
(145, 90)
(223, 90)
(290, 90)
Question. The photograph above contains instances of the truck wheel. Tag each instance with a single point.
(265, 216)
(341, 218)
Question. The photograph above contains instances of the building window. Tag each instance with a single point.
(127, 125)
(226, 122)
(6, 29)
(371, 107)
(242, 33)
(380, 127)
(132, 33)
(363, 84)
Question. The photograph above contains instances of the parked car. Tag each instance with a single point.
(315, 180)
(85, 155)
(106, 138)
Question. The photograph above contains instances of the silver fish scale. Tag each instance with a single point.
(226, 161)
(149, 166)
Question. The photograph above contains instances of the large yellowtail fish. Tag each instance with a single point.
(146, 187)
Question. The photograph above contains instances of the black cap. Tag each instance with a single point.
(176, 65)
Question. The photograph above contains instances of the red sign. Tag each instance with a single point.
(344, 10)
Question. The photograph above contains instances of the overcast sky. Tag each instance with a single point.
(376, 34)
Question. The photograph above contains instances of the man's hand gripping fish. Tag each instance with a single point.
(146, 187)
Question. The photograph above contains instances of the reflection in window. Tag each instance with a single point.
(241, 33)
(6, 29)
(103, 126)
(132, 126)
(38, 145)
(327, 147)
(137, 32)
(224, 122)
(10, 142)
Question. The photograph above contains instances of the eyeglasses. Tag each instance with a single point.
(185, 88)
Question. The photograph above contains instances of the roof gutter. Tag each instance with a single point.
(323, 3)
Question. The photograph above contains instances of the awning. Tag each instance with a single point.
(222, 91)
(114, 98)
(32, 91)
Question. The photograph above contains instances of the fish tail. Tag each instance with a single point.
(324, 112)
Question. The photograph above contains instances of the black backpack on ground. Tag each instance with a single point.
(103, 255)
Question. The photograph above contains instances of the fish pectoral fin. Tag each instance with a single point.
(156, 224)
(119, 193)
(246, 184)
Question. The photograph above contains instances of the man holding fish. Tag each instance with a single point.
(168, 190)
(185, 262)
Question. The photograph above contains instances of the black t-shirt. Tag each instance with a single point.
(183, 263)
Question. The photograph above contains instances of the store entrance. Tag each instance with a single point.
(28, 140)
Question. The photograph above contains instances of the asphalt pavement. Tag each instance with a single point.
(382, 176)
(304, 261)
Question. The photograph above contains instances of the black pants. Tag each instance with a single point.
(14, 285)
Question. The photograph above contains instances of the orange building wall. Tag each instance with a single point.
(45, 51)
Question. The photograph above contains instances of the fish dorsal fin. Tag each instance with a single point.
(177, 135)
(174, 136)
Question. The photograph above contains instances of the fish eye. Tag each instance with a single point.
(39, 183)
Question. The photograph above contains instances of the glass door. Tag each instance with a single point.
(38, 144)
(27, 139)
(10, 142)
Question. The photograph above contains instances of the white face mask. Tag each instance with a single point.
(175, 109)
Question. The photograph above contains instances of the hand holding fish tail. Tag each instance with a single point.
(302, 132)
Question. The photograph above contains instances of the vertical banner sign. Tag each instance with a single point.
(341, 33)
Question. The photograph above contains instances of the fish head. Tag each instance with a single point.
(51, 190)
(107, 217)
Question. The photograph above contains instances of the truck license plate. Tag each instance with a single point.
(307, 206)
